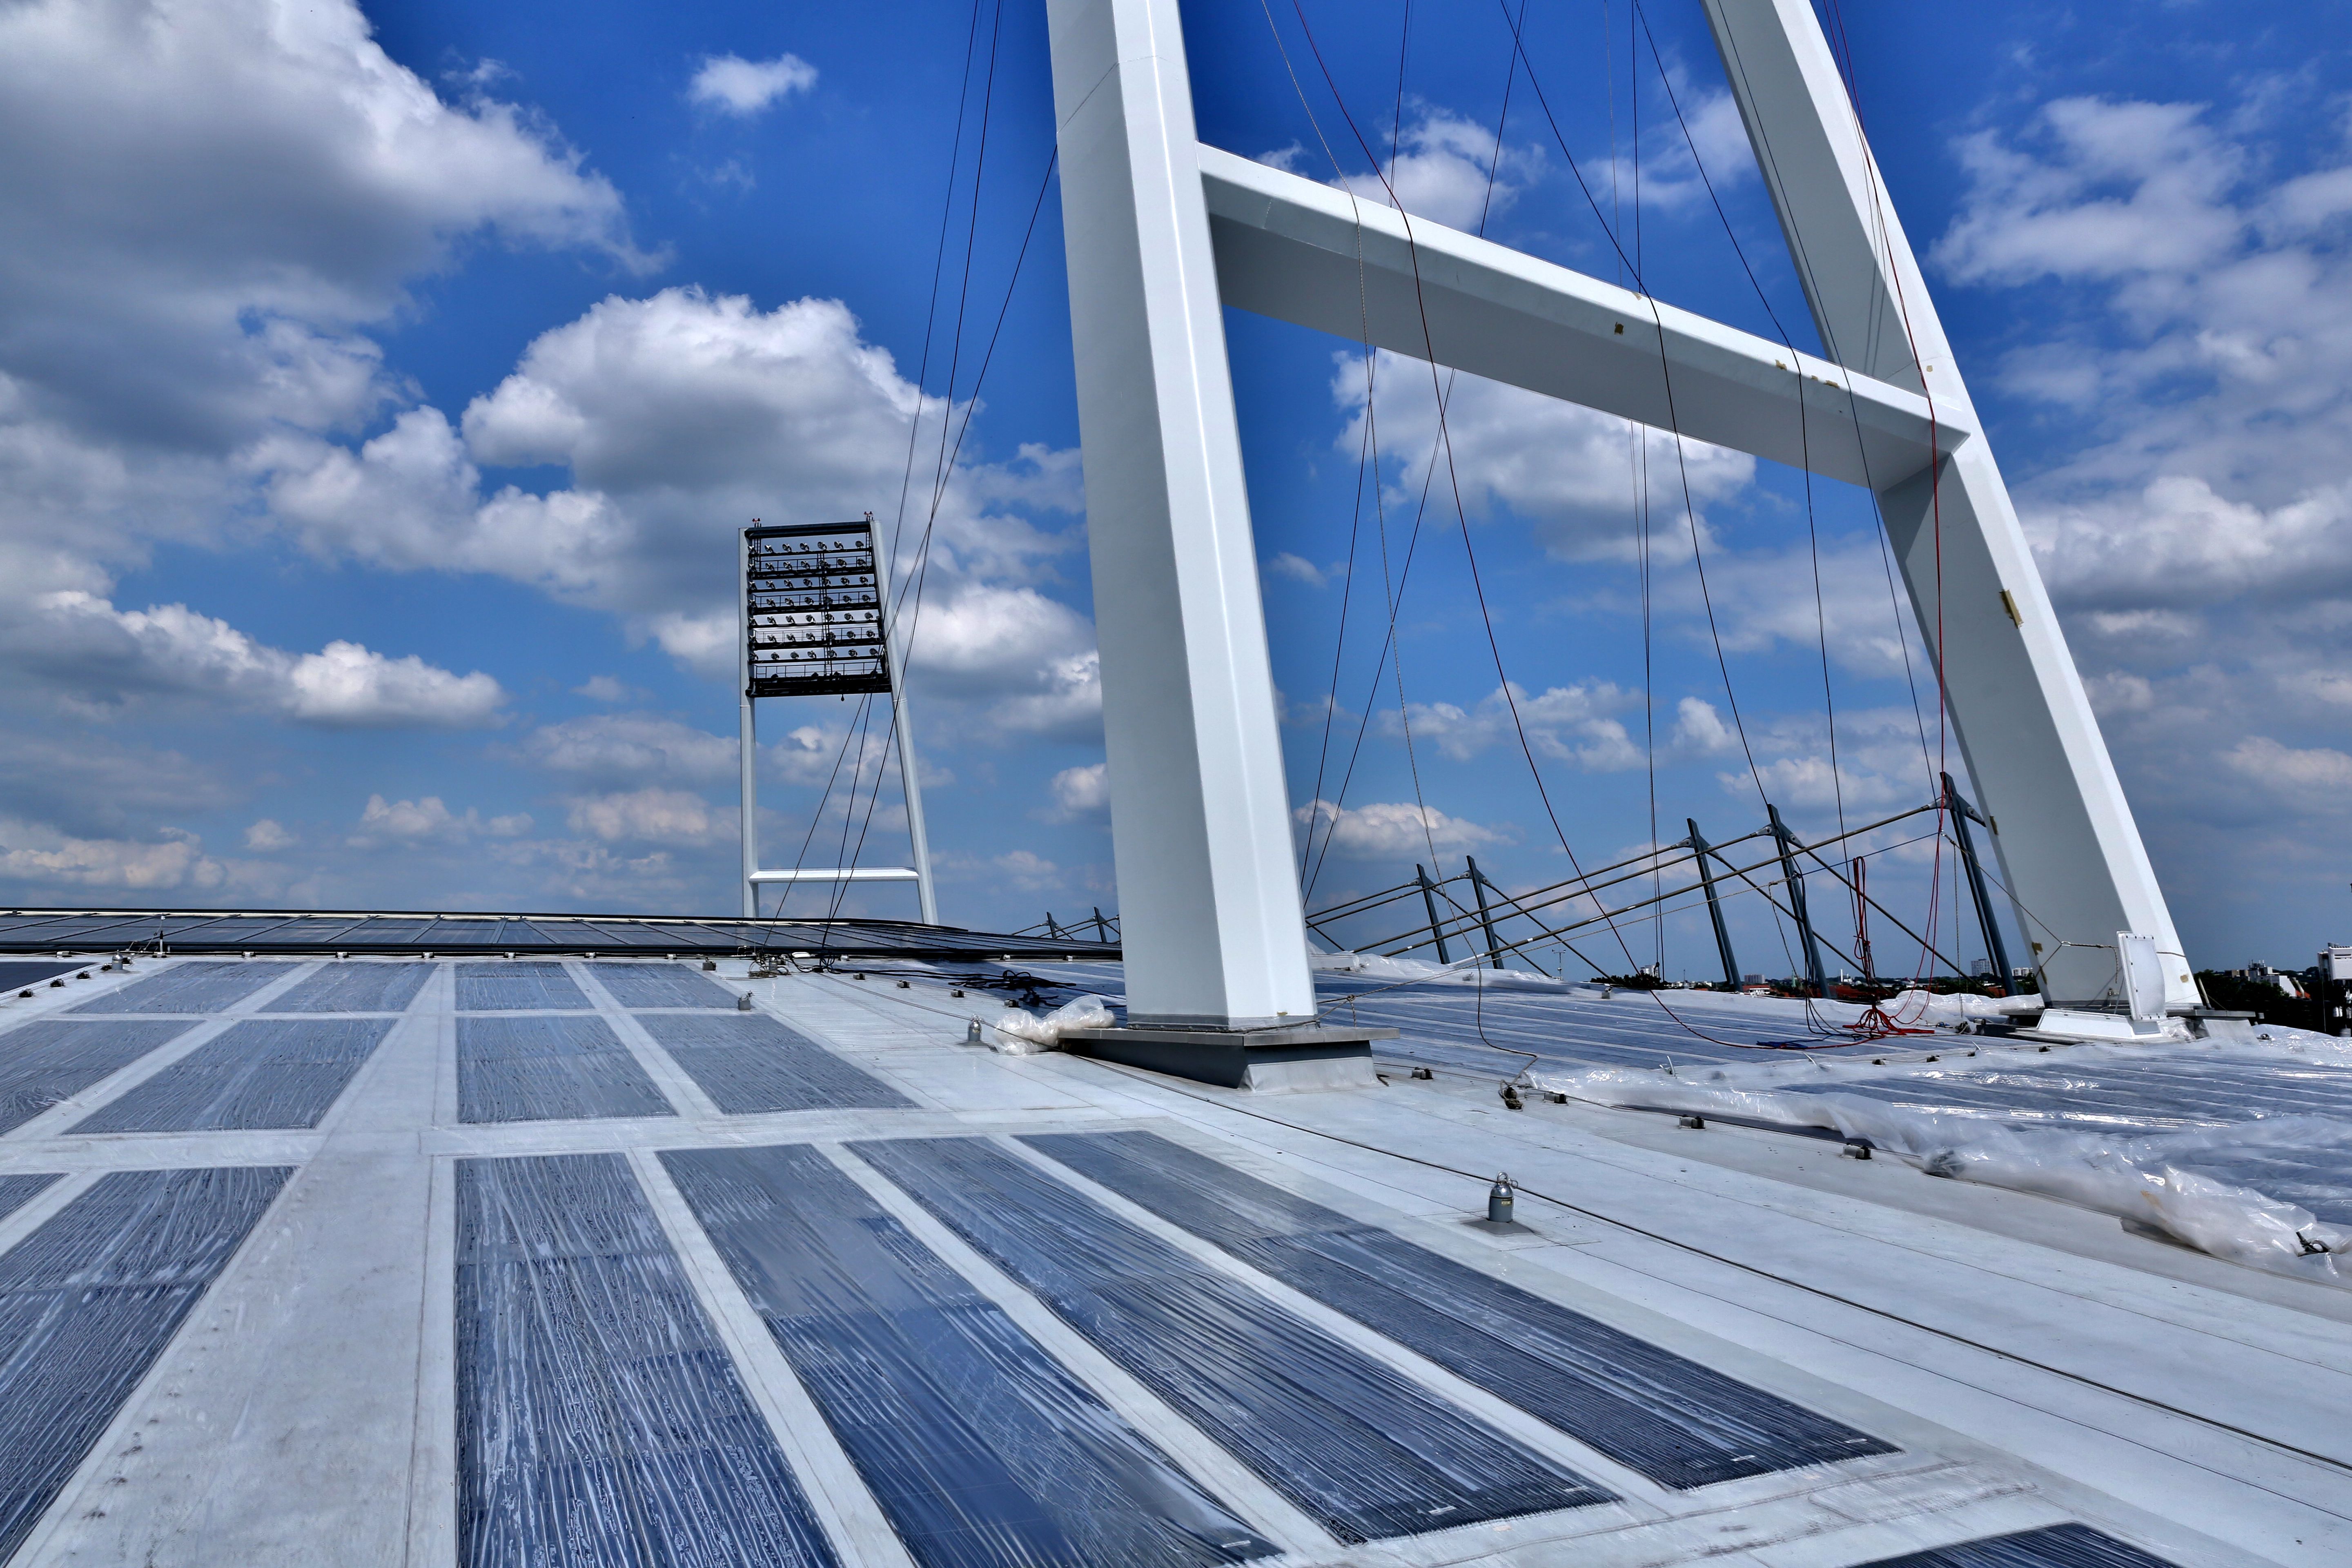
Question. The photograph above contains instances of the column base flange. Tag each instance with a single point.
(1269, 1061)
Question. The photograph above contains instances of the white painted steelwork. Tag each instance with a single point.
(1160, 230)
(1200, 814)
(2071, 852)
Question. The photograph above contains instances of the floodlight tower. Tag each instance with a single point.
(813, 614)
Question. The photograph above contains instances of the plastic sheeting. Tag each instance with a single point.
(525, 985)
(263, 1073)
(48, 1062)
(354, 987)
(190, 988)
(1351, 1441)
(2244, 1151)
(1019, 1033)
(1681, 1424)
(981, 1449)
(548, 1069)
(599, 1420)
(748, 1063)
(661, 986)
(89, 1301)
(2060, 1546)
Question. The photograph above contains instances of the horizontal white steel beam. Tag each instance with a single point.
(847, 874)
(1309, 254)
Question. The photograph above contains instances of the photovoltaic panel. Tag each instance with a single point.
(1350, 1440)
(190, 987)
(48, 1062)
(15, 1191)
(748, 1063)
(356, 988)
(599, 1420)
(2060, 1546)
(548, 1069)
(1675, 1421)
(983, 1451)
(525, 985)
(661, 986)
(90, 1299)
(261, 1073)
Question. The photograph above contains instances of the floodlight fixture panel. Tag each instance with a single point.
(815, 623)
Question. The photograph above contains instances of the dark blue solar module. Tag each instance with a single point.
(17, 974)
(15, 1191)
(90, 1299)
(748, 1063)
(190, 988)
(599, 1420)
(1498, 1030)
(48, 1062)
(262, 1073)
(1353, 1442)
(548, 1069)
(661, 986)
(982, 1450)
(1676, 1422)
(2060, 1546)
(525, 985)
(356, 988)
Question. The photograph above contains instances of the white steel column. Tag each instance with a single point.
(1200, 815)
(902, 722)
(2069, 850)
(748, 748)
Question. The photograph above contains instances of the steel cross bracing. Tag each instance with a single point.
(1162, 232)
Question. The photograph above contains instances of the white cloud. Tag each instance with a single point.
(1079, 793)
(98, 655)
(1567, 723)
(428, 820)
(1698, 727)
(652, 815)
(734, 85)
(604, 688)
(1443, 172)
(1572, 471)
(1297, 568)
(1392, 831)
(625, 747)
(2321, 773)
(267, 836)
(31, 854)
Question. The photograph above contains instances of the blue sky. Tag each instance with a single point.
(379, 390)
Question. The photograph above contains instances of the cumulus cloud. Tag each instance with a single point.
(1567, 723)
(2320, 772)
(268, 837)
(735, 86)
(93, 652)
(1447, 169)
(677, 409)
(28, 854)
(428, 820)
(1392, 831)
(1574, 472)
(651, 816)
(622, 747)
(1079, 793)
